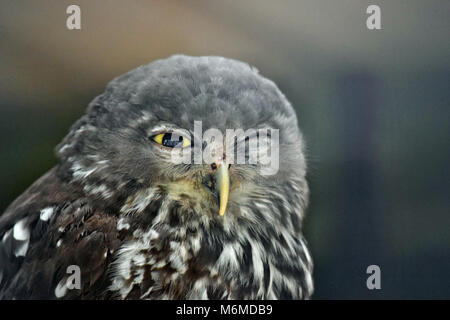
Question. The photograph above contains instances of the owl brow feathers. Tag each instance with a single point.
(253, 146)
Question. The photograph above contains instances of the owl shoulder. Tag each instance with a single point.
(49, 232)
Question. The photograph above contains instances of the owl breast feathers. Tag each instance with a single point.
(118, 218)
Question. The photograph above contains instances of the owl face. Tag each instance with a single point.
(123, 148)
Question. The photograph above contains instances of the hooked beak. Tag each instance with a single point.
(223, 186)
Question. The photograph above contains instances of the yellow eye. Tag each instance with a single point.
(171, 140)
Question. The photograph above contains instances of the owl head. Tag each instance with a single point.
(122, 154)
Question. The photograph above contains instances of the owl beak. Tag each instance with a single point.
(223, 186)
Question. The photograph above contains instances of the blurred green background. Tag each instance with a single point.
(373, 106)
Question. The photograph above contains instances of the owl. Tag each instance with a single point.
(118, 218)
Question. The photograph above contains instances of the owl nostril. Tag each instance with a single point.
(214, 166)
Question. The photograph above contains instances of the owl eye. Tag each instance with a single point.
(171, 140)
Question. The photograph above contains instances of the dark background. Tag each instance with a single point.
(373, 106)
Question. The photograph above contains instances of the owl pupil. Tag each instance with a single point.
(167, 141)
